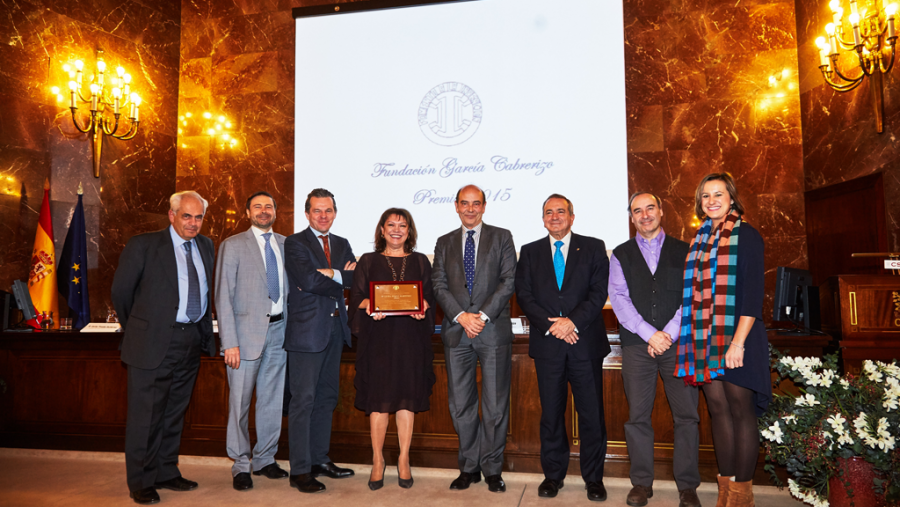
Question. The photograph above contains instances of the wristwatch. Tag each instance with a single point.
(484, 318)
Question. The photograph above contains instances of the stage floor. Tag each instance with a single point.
(66, 478)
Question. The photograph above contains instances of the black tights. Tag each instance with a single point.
(734, 428)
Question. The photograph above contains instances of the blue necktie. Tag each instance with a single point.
(559, 264)
(469, 260)
(193, 302)
(272, 271)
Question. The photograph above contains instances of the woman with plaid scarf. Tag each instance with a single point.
(722, 345)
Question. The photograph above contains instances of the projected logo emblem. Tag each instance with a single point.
(450, 114)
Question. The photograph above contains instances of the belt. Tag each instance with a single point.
(183, 325)
(276, 318)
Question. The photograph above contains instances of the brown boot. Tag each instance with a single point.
(723, 491)
(740, 494)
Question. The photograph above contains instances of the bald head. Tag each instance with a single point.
(470, 205)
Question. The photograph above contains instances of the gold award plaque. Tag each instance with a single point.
(396, 298)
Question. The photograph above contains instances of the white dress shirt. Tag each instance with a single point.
(277, 306)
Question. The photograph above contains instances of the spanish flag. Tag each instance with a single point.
(42, 278)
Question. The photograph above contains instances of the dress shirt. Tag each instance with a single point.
(476, 238)
(277, 307)
(565, 247)
(181, 261)
(565, 253)
(337, 269)
(621, 301)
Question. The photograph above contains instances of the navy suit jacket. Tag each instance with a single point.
(581, 299)
(145, 295)
(313, 296)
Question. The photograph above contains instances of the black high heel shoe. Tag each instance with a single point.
(405, 483)
(376, 485)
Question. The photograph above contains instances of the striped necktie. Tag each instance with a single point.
(193, 301)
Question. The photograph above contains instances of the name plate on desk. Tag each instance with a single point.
(102, 327)
(396, 298)
(892, 264)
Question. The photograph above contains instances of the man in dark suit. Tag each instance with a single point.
(645, 290)
(316, 333)
(162, 297)
(474, 276)
(561, 284)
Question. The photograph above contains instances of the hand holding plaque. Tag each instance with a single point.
(396, 298)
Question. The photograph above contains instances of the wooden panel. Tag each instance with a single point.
(68, 391)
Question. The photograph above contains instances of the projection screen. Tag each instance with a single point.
(401, 107)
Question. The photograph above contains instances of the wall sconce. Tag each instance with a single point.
(115, 94)
(874, 35)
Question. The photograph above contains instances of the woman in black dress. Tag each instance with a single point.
(723, 345)
(394, 357)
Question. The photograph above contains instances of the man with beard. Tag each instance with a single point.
(250, 300)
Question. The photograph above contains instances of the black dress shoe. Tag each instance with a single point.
(307, 483)
(549, 488)
(465, 479)
(177, 484)
(495, 483)
(272, 471)
(145, 496)
(596, 492)
(376, 485)
(330, 470)
(242, 482)
(404, 483)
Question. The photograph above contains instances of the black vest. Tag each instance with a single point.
(656, 296)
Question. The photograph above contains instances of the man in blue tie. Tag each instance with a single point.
(251, 303)
(161, 295)
(473, 275)
(561, 285)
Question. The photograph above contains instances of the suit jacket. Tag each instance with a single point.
(581, 299)
(495, 272)
(242, 294)
(313, 295)
(145, 295)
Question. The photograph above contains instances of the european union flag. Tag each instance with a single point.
(72, 269)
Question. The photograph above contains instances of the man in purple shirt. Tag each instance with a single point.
(645, 289)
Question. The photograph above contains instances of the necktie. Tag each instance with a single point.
(469, 260)
(559, 264)
(327, 250)
(272, 270)
(193, 302)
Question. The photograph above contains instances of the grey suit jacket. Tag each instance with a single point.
(242, 294)
(495, 273)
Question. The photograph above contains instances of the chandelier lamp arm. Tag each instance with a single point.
(131, 132)
(845, 87)
(893, 43)
(837, 70)
(87, 128)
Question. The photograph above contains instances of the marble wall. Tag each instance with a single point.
(840, 142)
(38, 140)
(697, 94)
(699, 100)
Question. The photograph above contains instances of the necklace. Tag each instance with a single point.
(394, 273)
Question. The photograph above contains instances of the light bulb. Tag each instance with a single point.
(188, 114)
(891, 10)
(207, 115)
(79, 65)
(127, 78)
(59, 98)
(218, 127)
(101, 65)
(785, 73)
(117, 93)
(221, 118)
(181, 118)
(120, 71)
(211, 132)
(225, 136)
(228, 124)
(94, 88)
(54, 90)
(73, 85)
(835, 5)
(233, 142)
(820, 41)
(136, 99)
(854, 19)
(829, 29)
(67, 68)
(772, 80)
